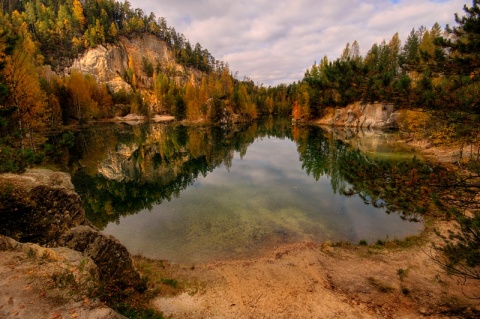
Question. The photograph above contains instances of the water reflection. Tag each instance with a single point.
(199, 193)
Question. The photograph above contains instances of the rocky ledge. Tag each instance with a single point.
(361, 115)
(41, 209)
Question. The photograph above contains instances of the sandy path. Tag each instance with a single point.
(307, 280)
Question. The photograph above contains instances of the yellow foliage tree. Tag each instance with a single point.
(112, 31)
(78, 13)
(26, 95)
(82, 104)
(89, 99)
(193, 103)
(269, 103)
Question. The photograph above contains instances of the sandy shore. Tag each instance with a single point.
(308, 280)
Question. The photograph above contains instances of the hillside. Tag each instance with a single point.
(49, 49)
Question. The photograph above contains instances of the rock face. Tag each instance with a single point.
(42, 207)
(371, 116)
(109, 63)
(106, 64)
(111, 257)
(39, 206)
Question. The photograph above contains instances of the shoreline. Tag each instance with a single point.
(310, 280)
(324, 280)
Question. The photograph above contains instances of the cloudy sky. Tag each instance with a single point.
(275, 41)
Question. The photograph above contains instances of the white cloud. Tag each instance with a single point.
(275, 41)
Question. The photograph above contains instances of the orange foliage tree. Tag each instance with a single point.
(296, 111)
(89, 99)
(26, 95)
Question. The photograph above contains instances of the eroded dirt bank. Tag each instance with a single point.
(309, 280)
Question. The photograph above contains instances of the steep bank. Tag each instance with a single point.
(353, 123)
(40, 282)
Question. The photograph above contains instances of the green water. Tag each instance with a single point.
(199, 194)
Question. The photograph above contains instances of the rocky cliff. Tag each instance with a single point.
(109, 63)
(371, 116)
(106, 64)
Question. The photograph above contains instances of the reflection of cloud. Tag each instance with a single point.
(264, 198)
(275, 41)
(263, 164)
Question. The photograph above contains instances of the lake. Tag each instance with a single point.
(196, 194)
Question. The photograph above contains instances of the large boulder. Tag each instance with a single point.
(39, 206)
(112, 258)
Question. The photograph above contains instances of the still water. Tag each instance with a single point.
(200, 194)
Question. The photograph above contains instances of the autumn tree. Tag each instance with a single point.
(88, 99)
(192, 102)
(269, 103)
(25, 93)
(78, 16)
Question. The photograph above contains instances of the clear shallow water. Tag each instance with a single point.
(264, 198)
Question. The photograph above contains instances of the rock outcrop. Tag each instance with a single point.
(371, 116)
(42, 207)
(106, 64)
(39, 206)
(109, 63)
(112, 258)
(39, 282)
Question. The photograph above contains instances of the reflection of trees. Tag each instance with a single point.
(157, 162)
(405, 187)
(106, 200)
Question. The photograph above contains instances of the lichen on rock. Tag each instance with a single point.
(113, 259)
(39, 206)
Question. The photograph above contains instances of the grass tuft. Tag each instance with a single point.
(380, 286)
